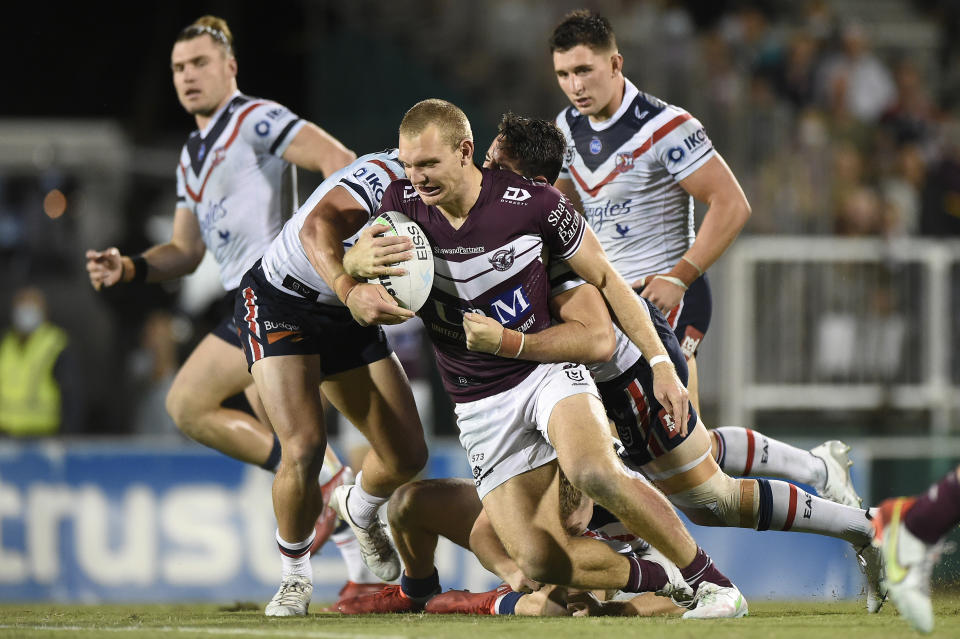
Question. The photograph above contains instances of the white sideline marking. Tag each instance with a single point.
(252, 632)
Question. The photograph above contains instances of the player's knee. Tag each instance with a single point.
(183, 410)
(304, 451)
(592, 479)
(401, 509)
(719, 501)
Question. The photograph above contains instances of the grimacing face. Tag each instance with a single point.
(589, 78)
(203, 74)
(432, 165)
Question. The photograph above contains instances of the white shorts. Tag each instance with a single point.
(505, 434)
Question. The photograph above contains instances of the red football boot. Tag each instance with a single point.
(327, 521)
(353, 589)
(388, 599)
(465, 602)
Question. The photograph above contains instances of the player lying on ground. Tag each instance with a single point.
(230, 190)
(421, 512)
(910, 532)
(516, 418)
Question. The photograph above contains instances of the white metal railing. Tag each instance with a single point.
(838, 323)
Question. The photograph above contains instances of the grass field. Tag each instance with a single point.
(767, 619)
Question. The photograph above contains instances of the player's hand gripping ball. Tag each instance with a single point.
(410, 290)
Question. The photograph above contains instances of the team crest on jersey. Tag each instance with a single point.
(502, 260)
(624, 161)
(596, 146)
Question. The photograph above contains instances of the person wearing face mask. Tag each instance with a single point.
(33, 396)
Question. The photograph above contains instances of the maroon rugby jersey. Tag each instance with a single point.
(490, 265)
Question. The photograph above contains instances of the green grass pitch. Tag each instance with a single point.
(846, 620)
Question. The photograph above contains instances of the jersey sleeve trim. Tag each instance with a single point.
(696, 164)
(286, 137)
(359, 195)
(575, 245)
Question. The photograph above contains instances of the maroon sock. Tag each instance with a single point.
(645, 576)
(702, 569)
(935, 512)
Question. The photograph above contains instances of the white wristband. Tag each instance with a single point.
(659, 359)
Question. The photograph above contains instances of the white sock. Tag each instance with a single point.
(295, 557)
(362, 505)
(349, 548)
(783, 506)
(746, 452)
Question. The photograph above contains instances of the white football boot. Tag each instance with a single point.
(375, 544)
(838, 487)
(716, 602)
(293, 598)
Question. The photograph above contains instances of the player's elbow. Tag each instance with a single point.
(601, 342)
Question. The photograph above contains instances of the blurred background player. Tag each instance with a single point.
(230, 190)
(910, 532)
(633, 166)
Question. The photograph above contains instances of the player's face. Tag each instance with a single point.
(589, 78)
(496, 158)
(433, 166)
(203, 75)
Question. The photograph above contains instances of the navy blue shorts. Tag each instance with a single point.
(271, 322)
(646, 428)
(227, 328)
(691, 318)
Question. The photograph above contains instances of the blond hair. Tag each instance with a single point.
(452, 123)
(212, 26)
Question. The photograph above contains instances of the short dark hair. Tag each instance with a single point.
(537, 146)
(583, 27)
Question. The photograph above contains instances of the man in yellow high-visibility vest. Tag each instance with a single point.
(30, 394)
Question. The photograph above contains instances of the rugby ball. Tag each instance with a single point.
(410, 290)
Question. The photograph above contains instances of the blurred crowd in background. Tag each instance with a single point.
(838, 117)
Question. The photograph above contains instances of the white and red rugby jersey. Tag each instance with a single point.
(626, 171)
(230, 176)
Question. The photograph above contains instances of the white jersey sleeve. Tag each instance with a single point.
(270, 128)
(684, 149)
(285, 262)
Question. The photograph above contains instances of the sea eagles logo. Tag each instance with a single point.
(624, 161)
(502, 260)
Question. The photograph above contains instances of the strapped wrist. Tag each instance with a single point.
(660, 359)
(685, 271)
(140, 268)
(511, 344)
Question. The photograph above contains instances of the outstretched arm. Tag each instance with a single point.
(178, 257)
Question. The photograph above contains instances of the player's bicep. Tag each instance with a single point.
(187, 236)
(711, 181)
(338, 215)
(316, 150)
(590, 261)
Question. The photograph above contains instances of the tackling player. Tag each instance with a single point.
(634, 164)
(229, 192)
(517, 419)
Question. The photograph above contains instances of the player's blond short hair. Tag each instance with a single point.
(450, 120)
(212, 26)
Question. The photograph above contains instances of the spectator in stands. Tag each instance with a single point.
(37, 392)
(855, 82)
